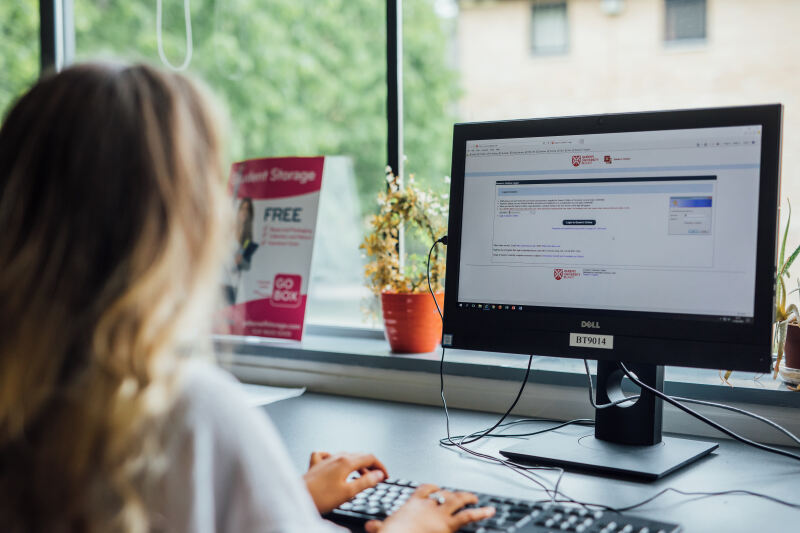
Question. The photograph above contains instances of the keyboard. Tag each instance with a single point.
(513, 515)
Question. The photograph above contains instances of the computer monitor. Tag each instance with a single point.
(647, 238)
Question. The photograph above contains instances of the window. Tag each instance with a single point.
(685, 20)
(549, 31)
(19, 49)
(296, 79)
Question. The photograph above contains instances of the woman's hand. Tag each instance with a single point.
(327, 474)
(421, 514)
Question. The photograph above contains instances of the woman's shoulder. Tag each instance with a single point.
(201, 380)
(210, 397)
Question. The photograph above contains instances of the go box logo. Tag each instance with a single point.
(286, 290)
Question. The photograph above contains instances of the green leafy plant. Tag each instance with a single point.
(423, 215)
(784, 311)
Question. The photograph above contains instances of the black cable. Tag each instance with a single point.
(519, 469)
(631, 399)
(715, 425)
(469, 439)
(741, 412)
(559, 425)
(692, 400)
(442, 240)
(524, 470)
(709, 495)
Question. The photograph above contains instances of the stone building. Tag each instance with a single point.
(522, 58)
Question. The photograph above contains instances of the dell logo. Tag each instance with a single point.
(590, 324)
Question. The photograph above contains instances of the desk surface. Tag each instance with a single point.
(405, 437)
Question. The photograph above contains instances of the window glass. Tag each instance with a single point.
(617, 62)
(430, 97)
(685, 20)
(549, 33)
(19, 49)
(298, 77)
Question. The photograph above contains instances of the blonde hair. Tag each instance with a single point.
(112, 212)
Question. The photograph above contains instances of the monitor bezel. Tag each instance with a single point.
(638, 336)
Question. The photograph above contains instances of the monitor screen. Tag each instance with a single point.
(637, 227)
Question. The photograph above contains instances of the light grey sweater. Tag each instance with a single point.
(228, 469)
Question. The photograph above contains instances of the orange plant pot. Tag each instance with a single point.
(411, 322)
(791, 348)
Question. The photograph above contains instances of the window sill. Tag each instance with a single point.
(357, 362)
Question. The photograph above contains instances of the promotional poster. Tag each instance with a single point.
(265, 284)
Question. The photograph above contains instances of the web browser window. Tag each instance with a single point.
(658, 221)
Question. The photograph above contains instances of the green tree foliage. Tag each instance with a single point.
(19, 49)
(298, 77)
(430, 93)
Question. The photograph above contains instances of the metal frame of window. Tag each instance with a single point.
(394, 84)
(56, 34)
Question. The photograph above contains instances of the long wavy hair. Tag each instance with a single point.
(112, 213)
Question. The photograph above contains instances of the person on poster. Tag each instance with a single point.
(244, 249)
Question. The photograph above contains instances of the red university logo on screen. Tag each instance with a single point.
(286, 290)
(607, 159)
(576, 160)
(558, 273)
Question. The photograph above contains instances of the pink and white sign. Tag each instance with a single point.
(266, 278)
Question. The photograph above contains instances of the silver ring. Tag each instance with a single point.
(438, 498)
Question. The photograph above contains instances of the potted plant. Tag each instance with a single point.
(400, 279)
(786, 315)
(786, 337)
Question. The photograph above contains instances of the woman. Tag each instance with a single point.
(113, 220)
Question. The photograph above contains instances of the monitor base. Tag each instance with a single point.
(585, 452)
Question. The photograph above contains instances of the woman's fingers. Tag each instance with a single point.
(316, 457)
(423, 491)
(453, 501)
(462, 518)
(373, 526)
(359, 461)
(370, 479)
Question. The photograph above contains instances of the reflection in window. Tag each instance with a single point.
(685, 20)
(549, 33)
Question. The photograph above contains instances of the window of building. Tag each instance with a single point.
(685, 20)
(549, 28)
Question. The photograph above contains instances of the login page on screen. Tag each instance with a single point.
(658, 221)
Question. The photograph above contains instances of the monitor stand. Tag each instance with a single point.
(627, 439)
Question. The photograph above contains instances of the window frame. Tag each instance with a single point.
(683, 41)
(550, 52)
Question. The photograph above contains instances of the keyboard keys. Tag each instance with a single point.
(511, 514)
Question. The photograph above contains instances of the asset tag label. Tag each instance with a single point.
(587, 340)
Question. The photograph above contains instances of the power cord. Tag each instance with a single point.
(691, 400)
(707, 420)
(522, 470)
(526, 471)
(629, 399)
